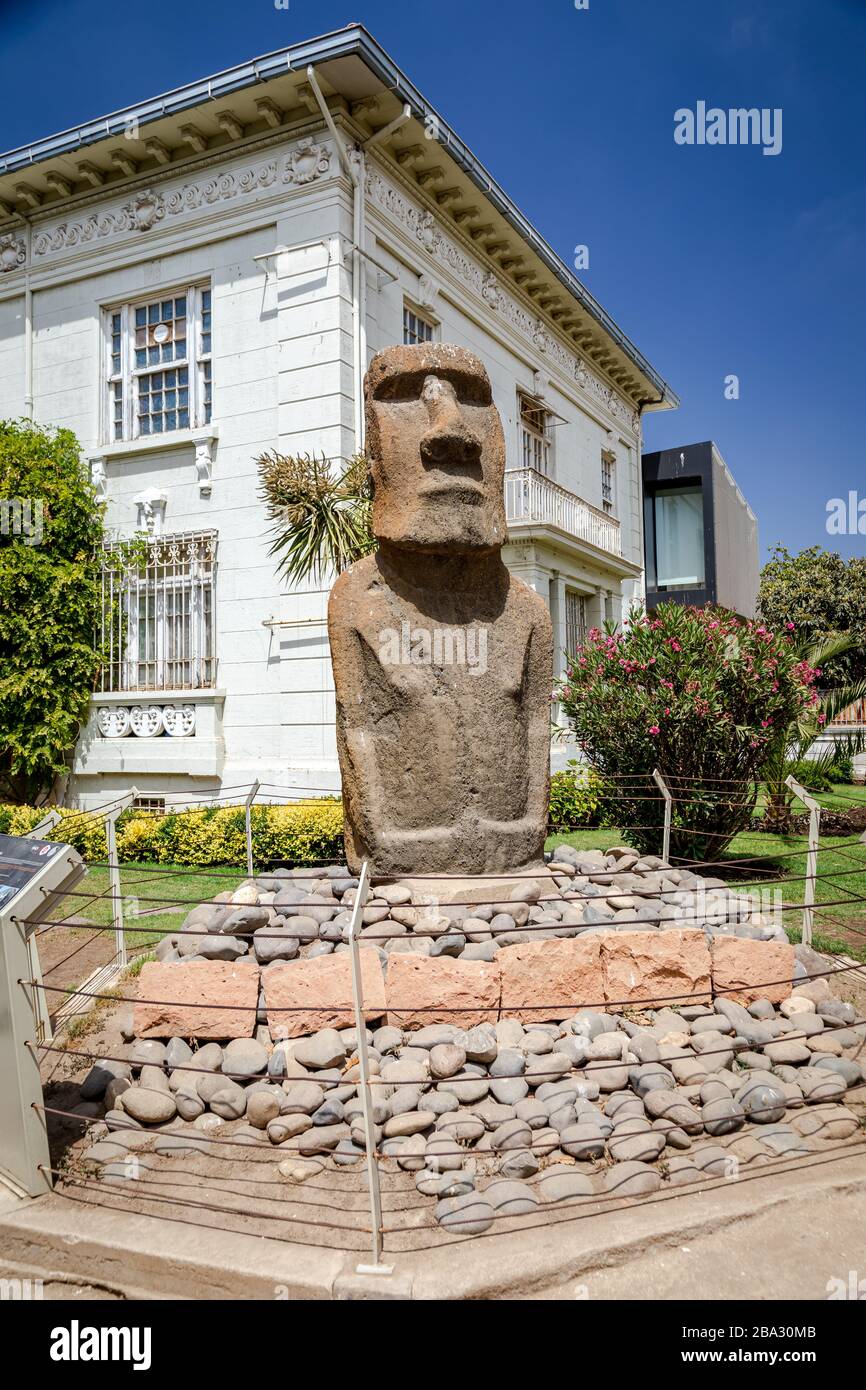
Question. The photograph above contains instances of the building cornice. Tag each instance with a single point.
(149, 125)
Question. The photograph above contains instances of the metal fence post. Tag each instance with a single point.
(44, 1030)
(814, 809)
(669, 801)
(248, 823)
(364, 1067)
(114, 884)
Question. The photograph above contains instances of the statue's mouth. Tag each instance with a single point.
(458, 489)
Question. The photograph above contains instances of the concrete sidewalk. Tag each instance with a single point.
(779, 1231)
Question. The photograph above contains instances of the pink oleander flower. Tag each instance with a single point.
(654, 729)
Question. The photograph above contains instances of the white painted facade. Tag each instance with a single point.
(265, 222)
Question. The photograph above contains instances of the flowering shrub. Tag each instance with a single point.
(697, 694)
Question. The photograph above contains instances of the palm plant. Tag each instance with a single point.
(321, 522)
(795, 741)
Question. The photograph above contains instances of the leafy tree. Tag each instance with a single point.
(792, 743)
(321, 523)
(823, 596)
(49, 604)
(698, 695)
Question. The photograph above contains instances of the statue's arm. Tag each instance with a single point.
(538, 688)
(357, 700)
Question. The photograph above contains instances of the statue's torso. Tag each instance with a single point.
(433, 717)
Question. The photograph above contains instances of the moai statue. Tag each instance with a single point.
(443, 660)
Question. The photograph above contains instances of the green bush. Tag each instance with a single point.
(205, 838)
(813, 775)
(842, 768)
(575, 797)
(697, 694)
(49, 604)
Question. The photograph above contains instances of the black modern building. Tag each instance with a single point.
(700, 534)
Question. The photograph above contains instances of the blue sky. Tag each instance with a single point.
(715, 260)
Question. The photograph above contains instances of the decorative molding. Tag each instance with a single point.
(421, 224)
(145, 721)
(112, 721)
(204, 451)
(179, 720)
(12, 253)
(428, 292)
(150, 511)
(306, 162)
(98, 475)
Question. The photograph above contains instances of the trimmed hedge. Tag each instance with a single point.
(206, 838)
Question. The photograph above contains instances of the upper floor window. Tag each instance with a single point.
(158, 617)
(674, 526)
(536, 446)
(416, 329)
(159, 364)
(608, 483)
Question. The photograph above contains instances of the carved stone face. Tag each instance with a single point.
(437, 450)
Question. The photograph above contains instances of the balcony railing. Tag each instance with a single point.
(530, 497)
(852, 717)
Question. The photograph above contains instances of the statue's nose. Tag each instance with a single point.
(449, 438)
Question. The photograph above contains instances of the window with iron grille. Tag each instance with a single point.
(416, 329)
(575, 621)
(159, 364)
(608, 481)
(158, 616)
(535, 438)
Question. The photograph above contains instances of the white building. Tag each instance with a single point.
(203, 277)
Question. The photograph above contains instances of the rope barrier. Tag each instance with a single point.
(773, 1168)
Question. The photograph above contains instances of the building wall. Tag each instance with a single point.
(730, 529)
(283, 378)
(736, 544)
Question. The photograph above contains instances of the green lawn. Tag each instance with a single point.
(149, 891)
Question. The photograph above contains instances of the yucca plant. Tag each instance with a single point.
(321, 520)
(793, 742)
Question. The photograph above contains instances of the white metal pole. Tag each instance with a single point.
(663, 788)
(814, 809)
(248, 823)
(114, 881)
(44, 1030)
(364, 1068)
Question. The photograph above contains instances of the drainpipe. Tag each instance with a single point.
(352, 162)
(28, 320)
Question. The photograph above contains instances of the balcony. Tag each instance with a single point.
(533, 500)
